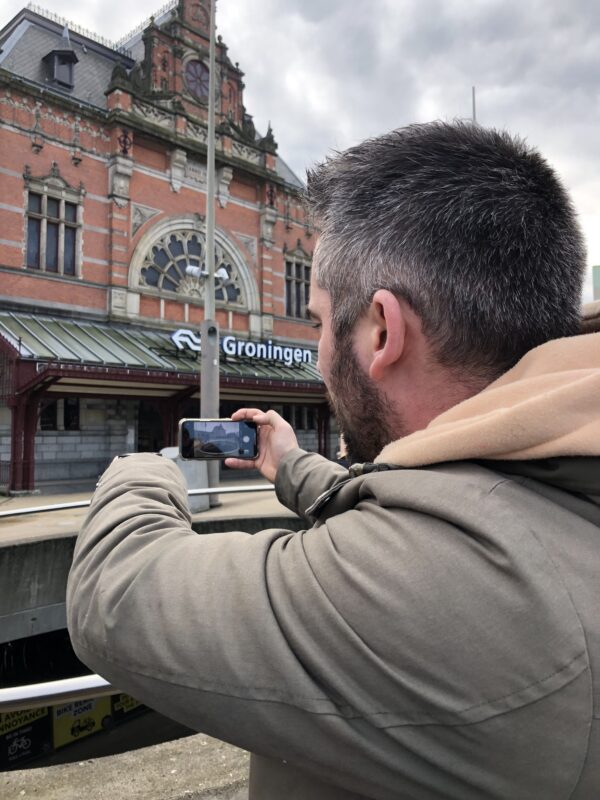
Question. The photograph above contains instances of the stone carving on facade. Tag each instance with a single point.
(120, 170)
(178, 159)
(268, 218)
(138, 79)
(246, 153)
(195, 172)
(41, 114)
(76, 143)
(37, 138)
(53, 180)
(200, 15)
(152, 113)
(118, 300)
(248, 129)
(308, 226)
(119, 78)
(198, 132)
(268, 142)
(287, 216)
(297, 251)
(224, 176)
(267, 324)
(249, 243)
(141, 215)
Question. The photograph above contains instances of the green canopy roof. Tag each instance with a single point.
(82, 342)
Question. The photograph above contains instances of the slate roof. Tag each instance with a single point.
(25, 44)
(30, 36)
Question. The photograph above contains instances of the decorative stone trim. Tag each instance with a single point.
(120, 170)
(159, 261)
(141, 215)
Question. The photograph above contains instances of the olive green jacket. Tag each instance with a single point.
(433, 634)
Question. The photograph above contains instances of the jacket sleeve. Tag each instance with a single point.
(184, 622)
(350, 648)
(302, 477)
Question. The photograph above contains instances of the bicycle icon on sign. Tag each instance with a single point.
(82, 726)
(20, 743)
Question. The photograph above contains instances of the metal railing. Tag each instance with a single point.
(75, 28)
(66, 690)
(17, 512)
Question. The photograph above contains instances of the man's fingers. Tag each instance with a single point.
(270, 417)
(240, 463)
(245, 413)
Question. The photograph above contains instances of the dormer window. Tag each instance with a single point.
(61, 67)
(60, 62)
(63, 70)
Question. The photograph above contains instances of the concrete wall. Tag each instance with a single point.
(34, 575)
(34, 581)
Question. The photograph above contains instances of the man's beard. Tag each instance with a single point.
(363, 414)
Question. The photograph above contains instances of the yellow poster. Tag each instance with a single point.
(125, 703)
(75, 720)
(16, 719)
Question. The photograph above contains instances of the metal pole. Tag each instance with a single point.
(474, 108)
(67, 690)
(20, 512)
(209, 329)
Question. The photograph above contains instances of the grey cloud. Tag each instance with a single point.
(328, 73)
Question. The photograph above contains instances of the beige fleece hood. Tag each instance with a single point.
(547, 406)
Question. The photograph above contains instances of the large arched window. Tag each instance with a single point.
(164, 268)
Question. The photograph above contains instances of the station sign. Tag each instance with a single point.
(185, 339)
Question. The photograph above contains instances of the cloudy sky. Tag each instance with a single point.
(328, 73)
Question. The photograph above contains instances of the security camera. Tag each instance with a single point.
(196, 272)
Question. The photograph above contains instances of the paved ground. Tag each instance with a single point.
(194, 768)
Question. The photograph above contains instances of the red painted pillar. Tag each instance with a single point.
(30, 426)
(15, 482)
(22, 451)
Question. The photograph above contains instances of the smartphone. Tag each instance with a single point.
(217, 438)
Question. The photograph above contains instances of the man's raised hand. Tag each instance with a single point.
(276, 437)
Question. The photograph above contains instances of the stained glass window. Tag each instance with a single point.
(196, 78)
(165, 268)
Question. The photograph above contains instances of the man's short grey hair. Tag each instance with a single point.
(469, 225)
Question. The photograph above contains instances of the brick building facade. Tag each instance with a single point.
(102, 207)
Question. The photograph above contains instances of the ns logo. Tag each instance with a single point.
(184, 338)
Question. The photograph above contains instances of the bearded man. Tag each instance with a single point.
(434, 632)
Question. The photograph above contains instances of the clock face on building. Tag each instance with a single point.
(196, 78)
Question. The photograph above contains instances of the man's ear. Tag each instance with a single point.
(387, 331)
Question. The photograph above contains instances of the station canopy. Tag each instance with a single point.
(94, 357)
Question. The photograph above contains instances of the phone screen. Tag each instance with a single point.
(217, 438)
